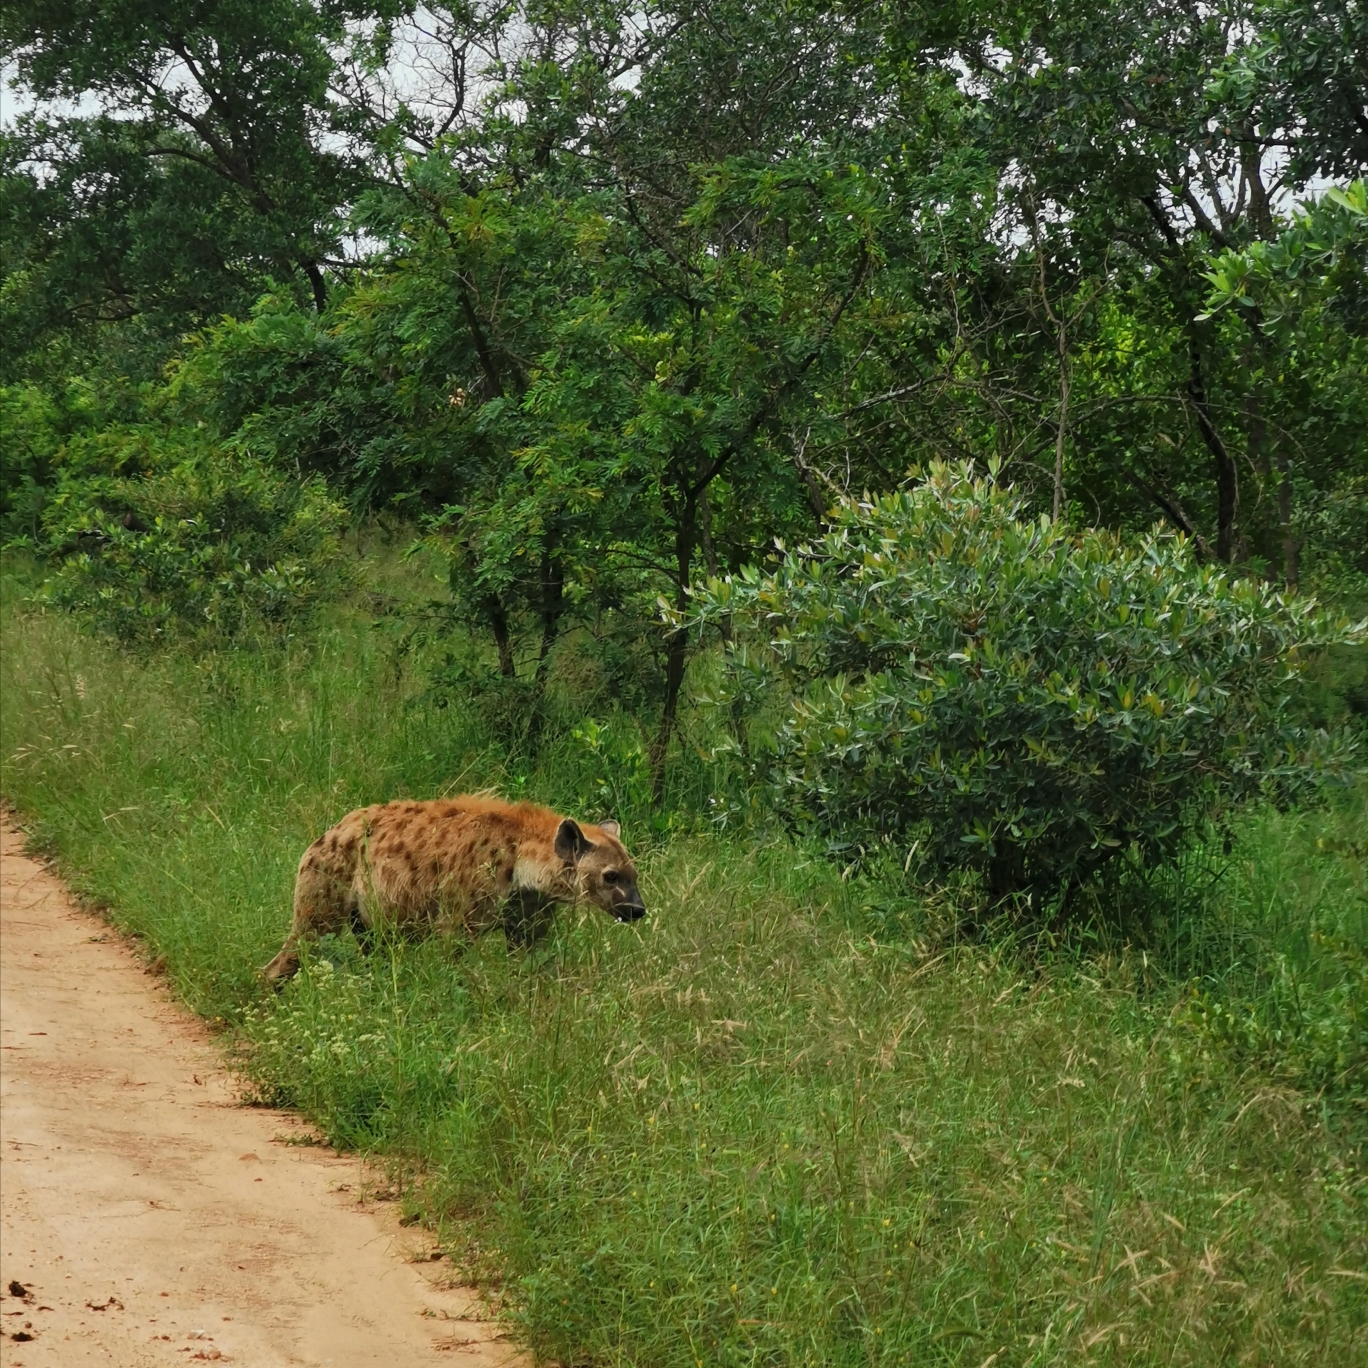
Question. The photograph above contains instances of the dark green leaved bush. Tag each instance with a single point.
(156, 536)
(36, 424)
(1015, 697)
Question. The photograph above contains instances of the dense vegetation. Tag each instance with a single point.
(790, 1117)
(908, 464)
(607, 297)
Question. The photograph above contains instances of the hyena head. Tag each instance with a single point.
(605, 872)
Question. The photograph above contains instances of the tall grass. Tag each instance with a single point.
(787, 1119)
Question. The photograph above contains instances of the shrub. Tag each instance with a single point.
(156, 536)
(35, 424)
(1016, 698)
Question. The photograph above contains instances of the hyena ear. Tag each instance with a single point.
(571, 843)
(611, 827)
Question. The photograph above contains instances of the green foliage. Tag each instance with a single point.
(1304, 294)
(746, 1129)
(598, 334)
(36, 422)
(29, 440)
(1014, 697)
(1310, 65)
(156, 540)
(621, 773)
(1319, 260)
(218, 163)
(1313, 1035)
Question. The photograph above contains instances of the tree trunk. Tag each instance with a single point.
(550, 611)
(1291, 547)
(1251, 168)
(816, 502)
(676, 657)
(677, 643)
(1226, 474)
(493, 380)
(737, 718)
(1004, 874)
(710, 556)
(503, 639)
(1057, 507)
(552, 606)
(1256, 449)
(317, 284)
(1060, 321)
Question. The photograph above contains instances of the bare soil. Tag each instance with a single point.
(148, 1218)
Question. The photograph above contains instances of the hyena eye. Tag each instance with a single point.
(610, 876)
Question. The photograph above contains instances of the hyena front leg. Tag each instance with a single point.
(323, 905)
(527, 917)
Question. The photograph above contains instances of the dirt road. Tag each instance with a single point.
(146, 1219)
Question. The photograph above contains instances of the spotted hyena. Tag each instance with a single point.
(458, 866)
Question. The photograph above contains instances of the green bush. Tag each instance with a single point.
(155, 536)
(1011, 696)
(36, 423)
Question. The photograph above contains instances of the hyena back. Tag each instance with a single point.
(457, 866)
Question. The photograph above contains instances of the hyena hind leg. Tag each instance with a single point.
(286, 963)
(321, 909)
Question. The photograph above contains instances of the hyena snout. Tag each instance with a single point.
(619, 895)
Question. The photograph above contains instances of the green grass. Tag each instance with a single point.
(786, 1119)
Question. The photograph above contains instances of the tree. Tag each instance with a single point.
(216, 162)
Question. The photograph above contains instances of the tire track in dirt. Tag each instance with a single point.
(147, 1219)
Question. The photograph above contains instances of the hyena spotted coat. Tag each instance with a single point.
(457, 866)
